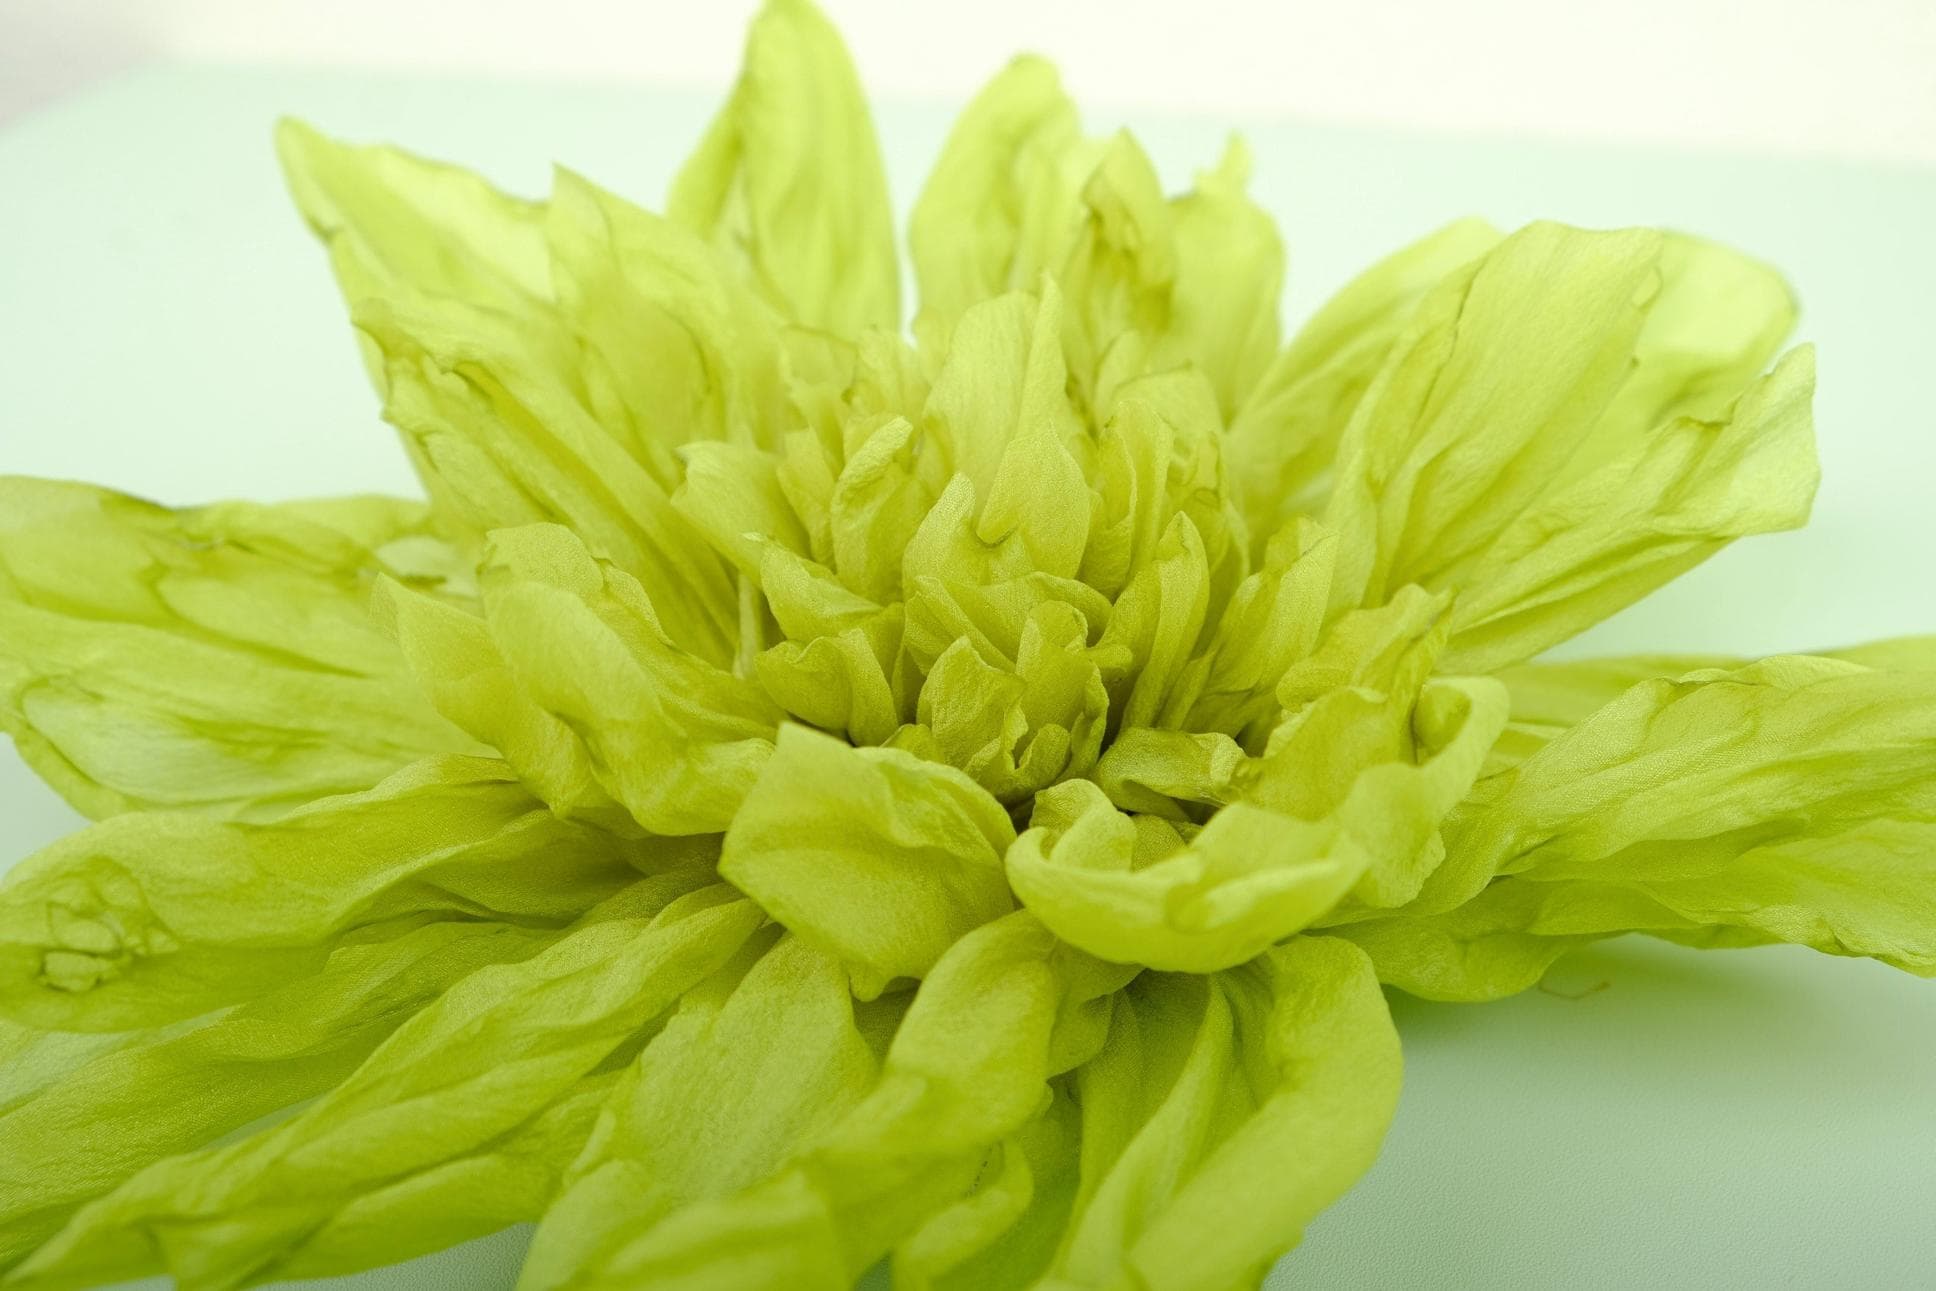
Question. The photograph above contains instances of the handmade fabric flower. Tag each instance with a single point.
(798, 794)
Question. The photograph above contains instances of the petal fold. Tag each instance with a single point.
(221, 659)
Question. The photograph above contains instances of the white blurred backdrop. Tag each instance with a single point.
(1849, 78)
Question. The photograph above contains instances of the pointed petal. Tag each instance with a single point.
(968, 1068)
(217, 658)
(151, 1096)
(151, 917)
(1545, 440)
(488, 1063)
(1787, 800)
(789, 177)
(1241, 1104)
(752, 1067)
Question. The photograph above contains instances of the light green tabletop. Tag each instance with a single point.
(1653, 1117)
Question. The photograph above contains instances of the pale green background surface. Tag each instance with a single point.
(1656, 1117)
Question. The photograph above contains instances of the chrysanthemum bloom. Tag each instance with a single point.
(798, 794)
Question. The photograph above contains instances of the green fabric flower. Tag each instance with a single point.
(802, 792)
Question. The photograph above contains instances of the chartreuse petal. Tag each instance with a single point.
(1019, 195)
(1004, 1231)
(1019, 729)
(492, 404)
(573, 674)
(1229, 275)
(1284, 435)
(1249, 878)
(427, 1119)
(1003, 1012)
(1018, 502)
(1610, 459)
(672, 347)
(221, 658)
(398, 226)
(142, 1098)
(789, 179)
(1549, 698)
(508, 1180)
(751, 1066)
(465, 675)
(1346, 798)
(1445, 448)
(393, 220)
(1664, 505)
(511, 416)
(990, 217)
(1283, 853)
(1223, 1114)
(147, 918)
(1786, 800)
(1272, 622)
(872, 855)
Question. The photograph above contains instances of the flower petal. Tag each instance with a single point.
(1661, 507)
(1787, 800)
(988, 219)
(1543, 407)
(151, 917)
(394, 220)
(1239, 1105)
(1249, 878)
(1284, 436)
(506, 438)
(217, 658)
(872, 855)
(1229, 274)
(151, 1096)
(789, 176)
(487, 1061)
(751, 1067)
(1004, 1011)
(1018, 503)
(603, 707)
(1344, 801)
(670, 345)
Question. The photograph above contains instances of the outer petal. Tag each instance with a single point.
(507, 1180)
(1660, 508)
(148, 918)
(751, 1067)
(506, 437)
(1003, 1233)
(1002, 1013)
(145, 1097)
(1229, 274)
(481, 1067)
(789, 177)
(872, 855)
(1541, 410)
(1788, 800)
(1550, 698)
(672, 346)
(1223, 1115)
(988, 219)
(1283, 437)
(394, 220)
(219, 658)
(574, 674)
